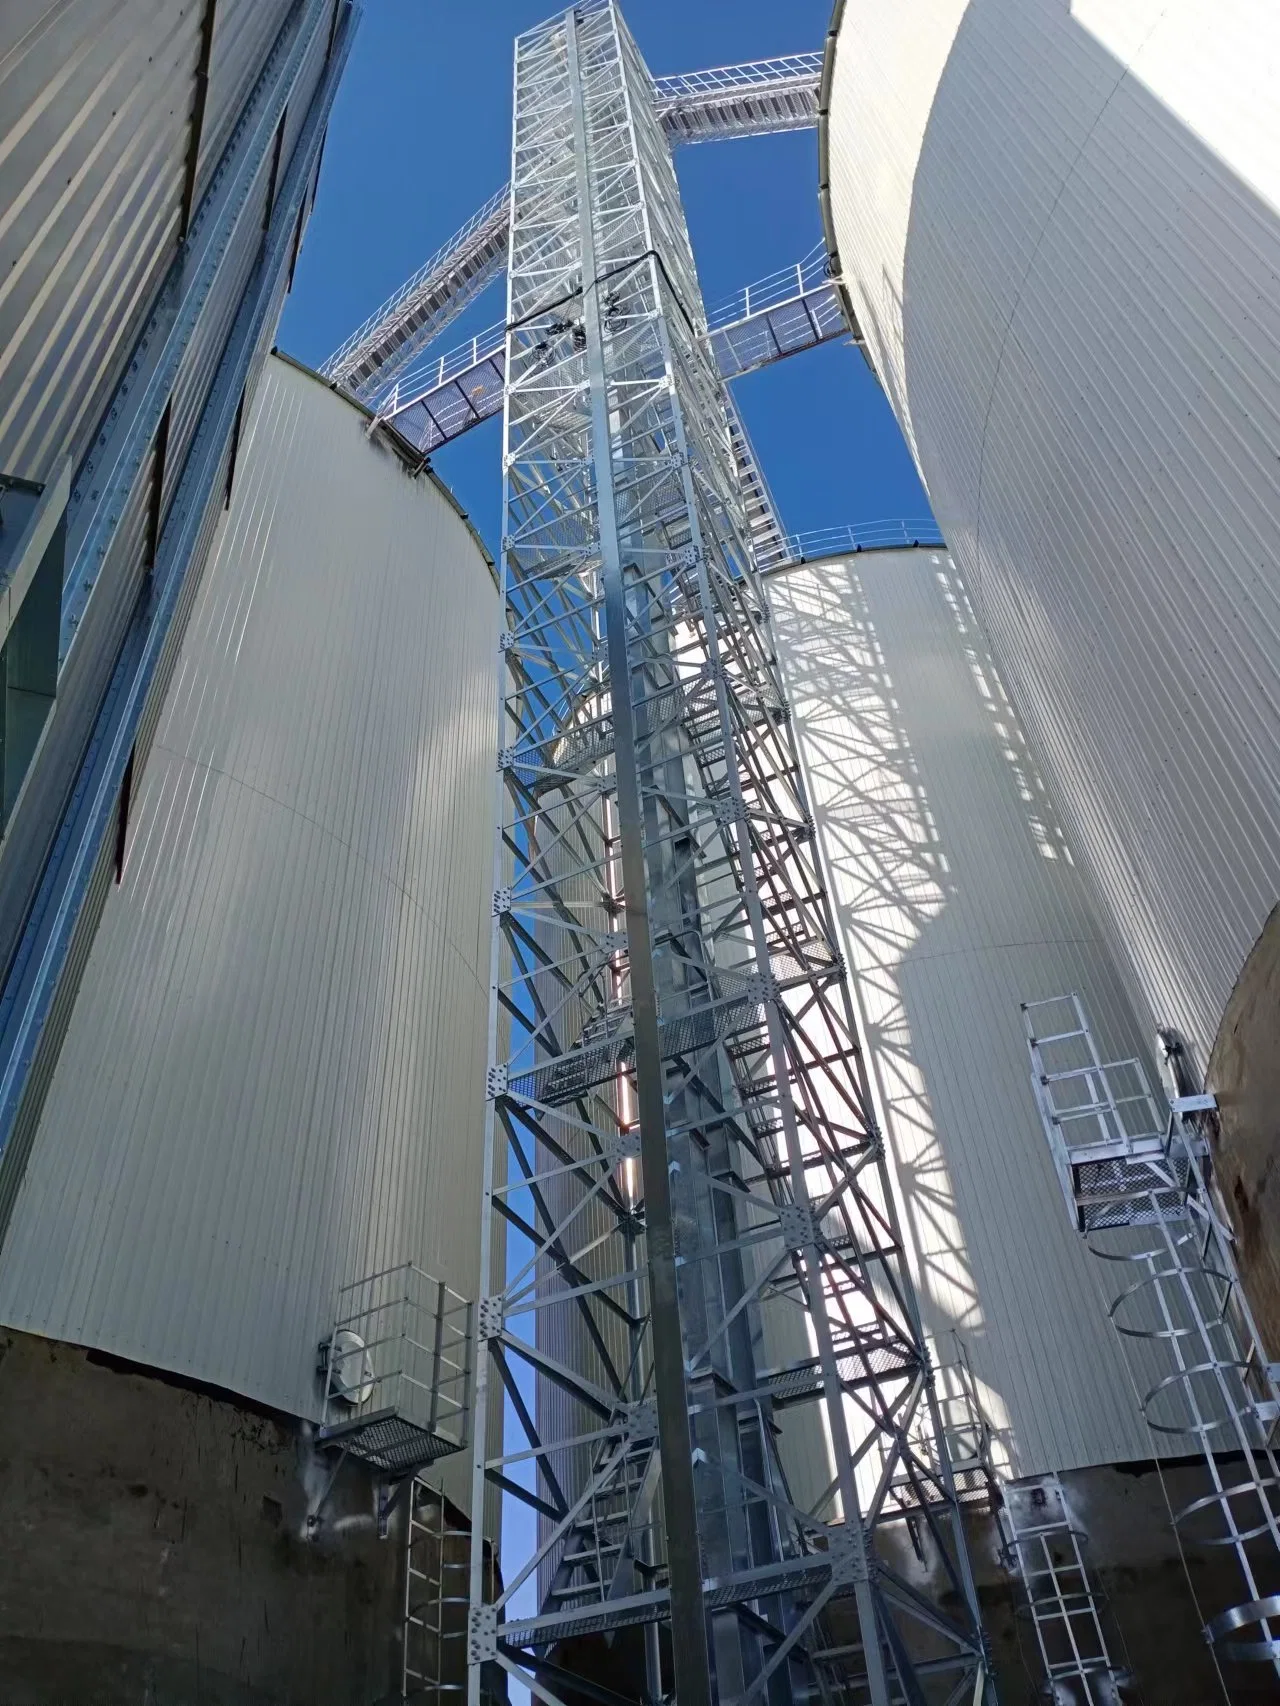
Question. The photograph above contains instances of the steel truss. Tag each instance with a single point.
(740, 100)
(703, 1375)
(701, 106)
(787, 312)
(1124, 1163)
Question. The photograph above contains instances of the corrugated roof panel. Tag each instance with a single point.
(272, 1081)
(959, 899)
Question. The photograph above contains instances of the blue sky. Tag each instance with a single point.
(420, 136)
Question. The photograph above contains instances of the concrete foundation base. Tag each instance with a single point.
(1154, 1605)
(157, 1553)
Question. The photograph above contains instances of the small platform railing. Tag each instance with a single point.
(396, 1370)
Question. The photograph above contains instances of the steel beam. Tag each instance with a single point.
(782, 315)
(701, 106)
(740, 100)
(701, 1365)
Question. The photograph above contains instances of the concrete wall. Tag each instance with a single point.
(1151, 1599)
(1244, 1073)
(158, 1548)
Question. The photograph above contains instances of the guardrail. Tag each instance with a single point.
(885, 535)
(771, 290)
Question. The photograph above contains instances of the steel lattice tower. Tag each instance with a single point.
(702, 1290)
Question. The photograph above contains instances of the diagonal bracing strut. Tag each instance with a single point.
(700, 106)
(701, 1373)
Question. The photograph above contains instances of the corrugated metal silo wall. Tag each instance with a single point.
(100, 169)
(98, 102)
(1061, 229)
(958, 899)
(99, 99)
(272, 1080)
(243, 31)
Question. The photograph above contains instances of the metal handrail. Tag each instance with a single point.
(777, 76)
(880, 535)
(429, 376)
(338, 361)
(800, 68)
(772, 290)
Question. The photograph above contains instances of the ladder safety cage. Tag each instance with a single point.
(395, 1370)
(1045, 1550)
(436, 1567)
(1137, 1173)
(1041, 1548)
(702, 1372)
(1107, 1134)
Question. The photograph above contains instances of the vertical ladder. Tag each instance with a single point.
(437, 1555)
(1183, 1292)
(1042, 1548)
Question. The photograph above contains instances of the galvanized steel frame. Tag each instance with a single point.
(757, 99)
(777, 316)
(701, 106)
(1222, 1394)
(680, 1143)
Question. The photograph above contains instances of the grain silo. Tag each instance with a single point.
(959, 897)
(265, 1095)
(1059, 231)
(158, 167)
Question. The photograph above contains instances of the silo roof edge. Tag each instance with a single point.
(824, 168)
(412, 458)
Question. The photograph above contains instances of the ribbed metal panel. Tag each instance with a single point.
(243, 31)
(96, 97)
(80, 689)
(309, 75)
(1061, 228)
(205, 350)
(79, 266)
(119, 576)
(182, 550)
(270, 1083)
(958, 900)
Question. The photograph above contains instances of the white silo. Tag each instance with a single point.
(1058, 222)
(270, 1085)
(958, 898)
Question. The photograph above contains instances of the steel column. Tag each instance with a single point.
(704, 1294)
(688, 1617)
